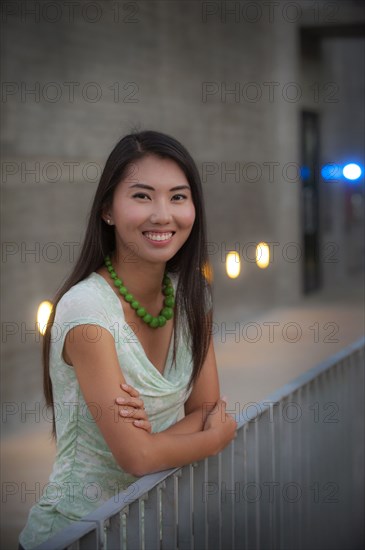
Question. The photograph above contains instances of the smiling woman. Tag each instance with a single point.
(132, 323)
(158, 216)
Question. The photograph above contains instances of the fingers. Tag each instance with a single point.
(130, 389)
(137, 416)
(131, 402)
(133, 407)
(131, 412)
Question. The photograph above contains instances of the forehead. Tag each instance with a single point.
(154, 171)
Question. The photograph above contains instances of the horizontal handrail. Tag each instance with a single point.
(303, 379)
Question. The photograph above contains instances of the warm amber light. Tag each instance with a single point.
(43, 313)
(208, 272)
(233, 264)
(262, 255)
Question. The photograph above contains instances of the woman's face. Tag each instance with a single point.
(152, 210)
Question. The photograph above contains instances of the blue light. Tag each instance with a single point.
(331, 171)
(305, 172)
(352, 171)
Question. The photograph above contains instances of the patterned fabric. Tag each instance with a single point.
(85, 473)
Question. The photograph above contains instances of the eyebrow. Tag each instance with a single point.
(145, 186)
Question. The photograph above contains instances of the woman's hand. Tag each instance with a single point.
(133, 407)
(223, 423)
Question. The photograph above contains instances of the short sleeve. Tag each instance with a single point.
(78, 307)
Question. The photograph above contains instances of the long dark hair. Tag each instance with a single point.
(193, 293)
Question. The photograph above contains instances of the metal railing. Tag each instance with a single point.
(293, 478)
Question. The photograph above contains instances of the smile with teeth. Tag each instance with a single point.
(158, 236)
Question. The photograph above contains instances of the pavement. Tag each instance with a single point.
(257, 353)
(263, 352)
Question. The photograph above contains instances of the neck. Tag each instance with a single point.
(142, 279)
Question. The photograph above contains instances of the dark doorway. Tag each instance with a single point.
(310, 142)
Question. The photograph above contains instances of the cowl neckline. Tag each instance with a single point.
(136, 339)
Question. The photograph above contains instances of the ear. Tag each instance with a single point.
(106, 215)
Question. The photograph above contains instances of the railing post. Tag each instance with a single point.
(229, 493)
(135, 527)
(200, 508)
(115, 532)
(95, 539)
(265, 479)
(252, 491)
(240, 509)
(185, 508)
(152, 516)
(169, 513)
(212, 494)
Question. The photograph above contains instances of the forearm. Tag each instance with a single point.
(190, 424)
(165, 450)
(182, 443)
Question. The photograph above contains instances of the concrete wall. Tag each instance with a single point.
(168, 66)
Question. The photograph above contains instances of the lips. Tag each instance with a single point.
(158, 236)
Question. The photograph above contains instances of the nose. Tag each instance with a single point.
(161, 213)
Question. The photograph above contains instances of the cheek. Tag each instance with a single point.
(128, 215)
(188, 216)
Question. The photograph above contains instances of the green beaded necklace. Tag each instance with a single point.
(166, 312)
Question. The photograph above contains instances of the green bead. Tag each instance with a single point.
(167, 312)
(147, 318)
(169, 301)
(161, 320)
(168, 291)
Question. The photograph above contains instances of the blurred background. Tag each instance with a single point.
(268, 97)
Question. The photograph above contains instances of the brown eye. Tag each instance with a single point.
(139, 195)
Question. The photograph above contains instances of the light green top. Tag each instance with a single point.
(85, 472)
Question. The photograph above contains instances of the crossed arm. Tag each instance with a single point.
(202, 399)
(99, 374)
